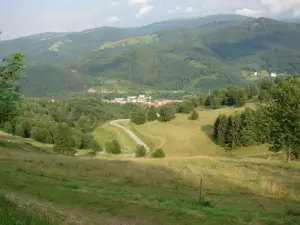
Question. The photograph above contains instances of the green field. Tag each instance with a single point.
(74, 190)
(42, 188)
(183, 137)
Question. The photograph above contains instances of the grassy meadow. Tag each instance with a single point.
(41, 188)
(183, 137)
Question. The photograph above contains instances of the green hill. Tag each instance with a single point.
(193, 54)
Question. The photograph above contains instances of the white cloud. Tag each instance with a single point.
(112, 19)
(138, 2)
(190, 9)
(280, 6)
(177, 8)
(275, 7)
(145, 10)
(250, 12)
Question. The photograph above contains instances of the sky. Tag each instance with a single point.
(25, 17)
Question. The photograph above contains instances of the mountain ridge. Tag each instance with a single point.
(195, 54)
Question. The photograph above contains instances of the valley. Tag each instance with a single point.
(185, 121)
(192, 55)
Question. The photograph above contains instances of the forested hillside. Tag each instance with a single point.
(188, 55)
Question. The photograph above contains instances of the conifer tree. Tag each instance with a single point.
(222, 129)
(233, 139)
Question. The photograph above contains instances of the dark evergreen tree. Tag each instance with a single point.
(233, 139)
(248, 130)
(152, 114)
(221, 130)
(216, 127)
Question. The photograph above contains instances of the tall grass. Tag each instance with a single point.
(11, 214)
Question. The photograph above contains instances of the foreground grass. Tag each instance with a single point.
(148, 191)
(11, 214)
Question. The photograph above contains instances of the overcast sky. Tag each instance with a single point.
(25, 17)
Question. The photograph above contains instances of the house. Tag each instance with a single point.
(92, 91)
(255, 74)
(273, 75)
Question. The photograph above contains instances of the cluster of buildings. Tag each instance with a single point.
(142, 99)
(103, 91)
(271, 74)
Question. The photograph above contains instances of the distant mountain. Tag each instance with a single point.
(48, 48)
(189, 54)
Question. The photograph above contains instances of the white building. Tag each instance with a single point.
(273, 75)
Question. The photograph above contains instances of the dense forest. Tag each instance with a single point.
(42, 120)
(193, 55)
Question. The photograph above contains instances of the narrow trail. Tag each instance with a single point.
(135, 138)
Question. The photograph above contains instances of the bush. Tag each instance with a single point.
(113, 147)
(158, 153)
(194, 115)
(95, 146)
(141, 151)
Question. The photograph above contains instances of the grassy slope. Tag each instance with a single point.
(121, 190)
(108, 132)
(182, 137)
(250, 191)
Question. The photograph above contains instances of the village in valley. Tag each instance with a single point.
(142, 99)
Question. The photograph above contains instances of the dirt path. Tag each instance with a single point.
(136, 139)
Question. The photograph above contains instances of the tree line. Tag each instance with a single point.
(275, 121)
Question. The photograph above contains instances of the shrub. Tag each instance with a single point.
(158, 153)
(95, 146)
(113, 147)
(141, 151)
(194, 115)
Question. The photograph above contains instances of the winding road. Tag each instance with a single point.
(136, 139)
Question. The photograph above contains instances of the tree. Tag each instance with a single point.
(94, 146)
(113, 147)
(233, 139)
(194, 115)
(158, 153)
(23, 128)
(41, 135)
(152, 114)
(138, 115)
(140, 151)
(241, 98)
(63, 140)
(282, 108)
(187, 107)
(11, 70)
(221, 129)
(248, 130)
(167, 113)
